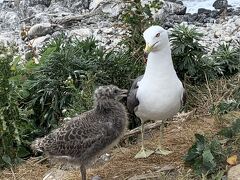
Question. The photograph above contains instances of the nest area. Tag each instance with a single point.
(178, 137)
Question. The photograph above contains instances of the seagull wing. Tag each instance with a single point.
(132, 100)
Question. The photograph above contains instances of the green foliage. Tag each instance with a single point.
(225, 106)
(189, 55)
(228, 59)
(64, 71)
(137, 18)
(14, 127)
(190, 59)
(231, 131)
(206, 157)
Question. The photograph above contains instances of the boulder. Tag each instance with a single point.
(220, 4)
(234, 173)
(204, 11)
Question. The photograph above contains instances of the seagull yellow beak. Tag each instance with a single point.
(148, 48)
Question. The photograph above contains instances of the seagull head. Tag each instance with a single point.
(156, 38)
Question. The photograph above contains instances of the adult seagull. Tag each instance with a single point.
(158, 94)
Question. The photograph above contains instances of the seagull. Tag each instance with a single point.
(158, 94)
(83, 138)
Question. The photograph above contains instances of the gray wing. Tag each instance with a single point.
(74, 139)
(184, 98)
(132, 100)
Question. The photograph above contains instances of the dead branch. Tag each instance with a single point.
(138, 129)
(72, 19)
(13, 174)
(27, 19)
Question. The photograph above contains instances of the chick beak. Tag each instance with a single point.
(124, 93)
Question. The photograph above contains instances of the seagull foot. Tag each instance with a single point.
(143, 153)
(162, 151)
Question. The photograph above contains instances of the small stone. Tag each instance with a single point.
(108, 30)
(234, 173)
(217, 34)
(237, 22)
(96, 178)
(227, 39)
(82, 33)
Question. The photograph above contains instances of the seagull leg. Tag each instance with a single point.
(159, 149)
(83, 172)
(143, 153)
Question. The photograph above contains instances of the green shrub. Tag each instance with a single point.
(64, 69)
(205, 157)
(15, 128)
(228, 58)
(189, 55)
(192, 62)
(137, 18)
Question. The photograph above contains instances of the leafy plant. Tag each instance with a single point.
(63, 72)
(137, 18)
(14, 126)
(206, 157)
(228, 58)
(231, 131)
(189, 55)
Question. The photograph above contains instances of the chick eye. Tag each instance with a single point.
(157, 35)
(115, 91)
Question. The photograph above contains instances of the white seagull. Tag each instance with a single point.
(158, 94)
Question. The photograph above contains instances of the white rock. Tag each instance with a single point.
(95, 3)
(234, 173)
(113, 9)
(237, 22)
(82, 33)
(218, 34)
(12, 20)
(38, 42)
(227, 39)
(108, 30)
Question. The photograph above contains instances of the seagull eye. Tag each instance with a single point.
(157, 35)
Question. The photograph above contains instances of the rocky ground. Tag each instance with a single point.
(31, 23)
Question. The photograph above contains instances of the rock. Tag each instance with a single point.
(234, 173)
(96, 178)
(227, 39)
(220, 4)
(167, 9)
(217, 34)
(237, 22)
(36, 2)
(82, 33)
(174, 8)
(75, 5)
(41, 29)
(39, 42)
(11, 20)
(204, 11)
(113, 8)
(59, 10)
